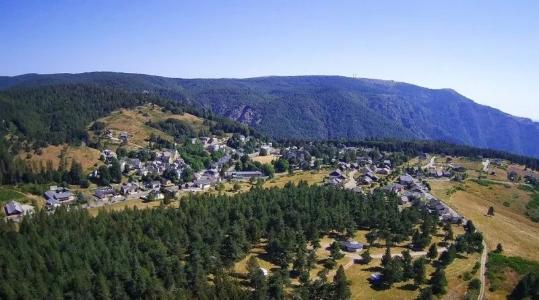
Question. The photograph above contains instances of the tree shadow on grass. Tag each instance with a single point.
(408, 287)
(373, 269)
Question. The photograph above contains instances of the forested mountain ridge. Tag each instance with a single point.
(328, 107)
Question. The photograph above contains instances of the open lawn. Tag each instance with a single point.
(509, 226)
(119, 206)
(86, 156)
(133, 121)
(457, 285)
(7, 194)
(265, 159)
(311, 177)
(504, 272)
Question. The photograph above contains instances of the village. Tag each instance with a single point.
(162, 174)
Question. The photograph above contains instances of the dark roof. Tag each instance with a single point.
(13, 208)
(352, 245)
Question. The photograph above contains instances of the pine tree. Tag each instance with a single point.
(433, 252)
(439, 282)
(386, 258)
(407, 268)
(276, 290)
(335, 251)
(257, 280)
(449, 234)
(75, 173)
(469, 227)
(341, 285)
(419, 271)
(366, 257)
(393, 271)
(425, 294)
(448, 256)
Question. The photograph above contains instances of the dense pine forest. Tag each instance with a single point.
(185, 252)
(62, 113)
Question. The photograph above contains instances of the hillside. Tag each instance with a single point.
(328, 107)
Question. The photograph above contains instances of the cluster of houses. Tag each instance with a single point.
(369, 170)
(58, 196)
(122, 136)
(412, 191)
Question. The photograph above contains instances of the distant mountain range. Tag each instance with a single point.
(327, 107)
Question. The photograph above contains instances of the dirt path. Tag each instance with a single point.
(350, 181)
(482, 271)
(430, 164)
(485, 165)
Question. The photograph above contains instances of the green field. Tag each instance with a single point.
(7, 194)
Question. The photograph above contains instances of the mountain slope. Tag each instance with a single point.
(328, 107)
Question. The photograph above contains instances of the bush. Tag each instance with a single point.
(475, 284)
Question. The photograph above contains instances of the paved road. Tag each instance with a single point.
(482, 271)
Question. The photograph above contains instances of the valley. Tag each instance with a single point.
(151, 159)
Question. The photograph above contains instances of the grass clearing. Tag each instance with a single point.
(86, 156)
(133, 121)
(119, 206)
(267, 159)
(509, 226)
(311, 177)
(7, 194)
(503, 273)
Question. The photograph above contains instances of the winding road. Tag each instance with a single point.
(482, 271)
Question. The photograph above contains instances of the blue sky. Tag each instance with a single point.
(486, 50)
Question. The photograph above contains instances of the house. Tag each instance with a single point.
(383, 171)
(108, 133)
(108, 155)
(171, 191)
(153, 185)
(365, 170)
(264, 272)
(387, 162)
(337, 174)
(13, 208)
(404, 200)
(103, 193)
(133, 163)
(202, 183)
(153, 195)
(334, 181)
(376, 278)
(168, 155)
(365, 180)
(406, 180)
(223, 160)
(58, 196)
(351, 246)
(129, 188)
(215, 147)
(245, 175)
(343, 166)
(372, 176)
(212, 173)
(124, 137)
(394, 188)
